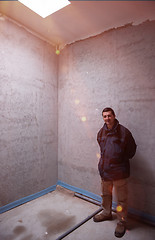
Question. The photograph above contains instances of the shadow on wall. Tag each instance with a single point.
(141, 185)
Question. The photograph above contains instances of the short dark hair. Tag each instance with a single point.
(108, 109)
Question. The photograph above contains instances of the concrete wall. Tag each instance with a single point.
(113, 69)
(28, 113)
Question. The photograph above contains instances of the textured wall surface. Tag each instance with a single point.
(28, 113)
(113, 69)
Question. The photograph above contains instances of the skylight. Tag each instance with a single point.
(45, 8)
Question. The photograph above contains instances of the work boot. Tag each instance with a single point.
(102, 217)
(120, 229)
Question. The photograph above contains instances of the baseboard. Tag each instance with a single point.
(139, 215)
(79, 190)
(26, 199)
(132, 212)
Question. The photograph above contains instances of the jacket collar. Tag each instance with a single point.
(113, 130)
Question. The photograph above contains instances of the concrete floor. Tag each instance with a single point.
(49, 216)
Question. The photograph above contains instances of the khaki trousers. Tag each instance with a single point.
(121, 190)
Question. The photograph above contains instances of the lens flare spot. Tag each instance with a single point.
(83, 119)
(77, 101)
(119, 208)
(57, 52)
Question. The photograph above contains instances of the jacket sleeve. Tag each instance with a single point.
(131, 146)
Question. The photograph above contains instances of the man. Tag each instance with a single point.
(117, 146)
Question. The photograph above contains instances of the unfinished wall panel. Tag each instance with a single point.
(28, 113)
(113, 69)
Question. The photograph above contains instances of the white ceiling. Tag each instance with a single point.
(80, 19)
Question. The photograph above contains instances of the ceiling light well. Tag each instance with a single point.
(45, 8)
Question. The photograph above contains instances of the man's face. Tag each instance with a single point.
(109, 119)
